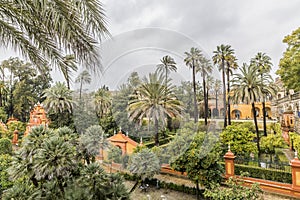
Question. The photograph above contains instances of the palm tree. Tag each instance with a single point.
(263, 64)
(231, 64)
(83, 77)
(205, 68)
(247, 88)
(221, 56)
(68, 67)
(209, 85)
(217, 88)
(192, 60)
(102, 101)
(153, 100)
(166, 66)
(59, 98)
(44, 31)
(93, 141)
(143, 164)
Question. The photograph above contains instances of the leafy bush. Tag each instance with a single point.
(5, 146)
(234, 190)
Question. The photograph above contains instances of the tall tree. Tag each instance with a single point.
(289, 65)
(83, 77)
(217, 87)
(166, 66)
(263, 64)
(59, 102)
(231, 64)
(205, 68)
(44, 30)
(102, 101)
(247, 88)
(153, 100)
(192, 60)
(220, 57)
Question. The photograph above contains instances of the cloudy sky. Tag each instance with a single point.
(144, 31)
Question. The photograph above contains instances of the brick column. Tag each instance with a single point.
(229, 163)
(295, 165)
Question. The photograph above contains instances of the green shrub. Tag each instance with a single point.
(263, 173)
(5, 146)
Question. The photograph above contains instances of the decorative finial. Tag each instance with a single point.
(120, 129)
(114, 132)
(126, 134)
(141, 140)
(228, 146)
(296, 154)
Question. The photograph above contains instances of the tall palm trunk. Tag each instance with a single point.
(156, 132)
(217, 109)
(264, 117)
(228, 97)
(224, 94)
(195, 98)
(256, 128)
(205, 99)
(80, 89)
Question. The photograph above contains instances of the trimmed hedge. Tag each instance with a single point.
(263, 173)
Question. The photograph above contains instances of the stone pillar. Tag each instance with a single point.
(295, 165)
(229, 163)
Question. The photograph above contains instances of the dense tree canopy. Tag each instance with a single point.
(289, 65)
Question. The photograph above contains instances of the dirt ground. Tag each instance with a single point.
(164, 194)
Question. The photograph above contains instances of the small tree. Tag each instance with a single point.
(200, 160)
(234, 190)
(270, 142)
(143, 164)
(240, 137)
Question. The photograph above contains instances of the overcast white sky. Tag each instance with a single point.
(248, 26)
(145, 30)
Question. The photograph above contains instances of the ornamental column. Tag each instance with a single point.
(295, 165)
(229, 163)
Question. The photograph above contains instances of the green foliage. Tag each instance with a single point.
(234, 190)
(5, 146)
(240, 137)
(92, 141)
(263, 173)
(49, 166)
(4, 132)
(295, 140)
(5, 182)
(289, 65)
(3, 115)
(199, 160)
(16, 125)
(270, 142)
(115, 154)
(144, 164)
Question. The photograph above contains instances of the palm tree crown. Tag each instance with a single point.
(153, 100)
(44, 30)
(59, 98)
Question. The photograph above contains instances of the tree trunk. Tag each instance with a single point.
(264, 117)
(205, 98)
(217, 105)
(228, 97)
(197, 190)
(256, 128)
(156, 132)
(195, 98)
(224, 94)
(135, 185)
